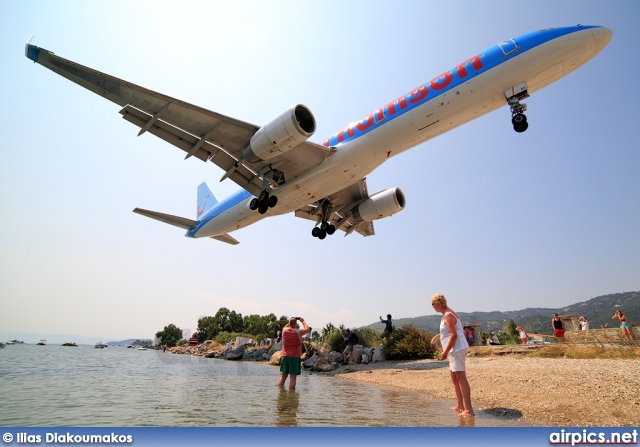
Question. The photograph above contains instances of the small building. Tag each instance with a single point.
(571, 322)
(242, 341)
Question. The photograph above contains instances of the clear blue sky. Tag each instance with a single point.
(494, 220)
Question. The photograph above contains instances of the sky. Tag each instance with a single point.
(494, 220)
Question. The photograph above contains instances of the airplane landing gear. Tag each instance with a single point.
(325, 228)
(518, 118)
(519, 122)
(263, 202)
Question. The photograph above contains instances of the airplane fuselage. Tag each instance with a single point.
(467, 91)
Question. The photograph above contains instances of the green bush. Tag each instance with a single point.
(368, 336)
(409, 343)
(334, 338)
(224, 337)
(507, 339)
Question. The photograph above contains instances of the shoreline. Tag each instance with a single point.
(536, 391)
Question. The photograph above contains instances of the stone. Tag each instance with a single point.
(235, 353)
(380, 354)
(323, 365)
(356, 354)
(324, 349)
(334, 357)
(275, 358)
(311, 361)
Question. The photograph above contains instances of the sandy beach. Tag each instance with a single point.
(536, 391)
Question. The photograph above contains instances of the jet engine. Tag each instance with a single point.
(290, 128)
(379, 205)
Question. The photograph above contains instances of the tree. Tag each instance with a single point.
(169, 335)
(224, 320)
(207, 329)
(229, 320)
(511, 328)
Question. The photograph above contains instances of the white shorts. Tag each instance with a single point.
(457, 360)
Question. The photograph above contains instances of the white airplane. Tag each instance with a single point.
(280, 171)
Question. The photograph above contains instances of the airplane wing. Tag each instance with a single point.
(199, 132)
(343, 201)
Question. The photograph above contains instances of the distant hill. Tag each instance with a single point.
(132, 341)
(538, 320)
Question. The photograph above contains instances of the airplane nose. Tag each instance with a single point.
(601, 36)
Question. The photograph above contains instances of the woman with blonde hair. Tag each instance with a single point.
(454, 347)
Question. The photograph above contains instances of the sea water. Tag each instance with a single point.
(116, 386)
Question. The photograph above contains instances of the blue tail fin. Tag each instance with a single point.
(206, 199)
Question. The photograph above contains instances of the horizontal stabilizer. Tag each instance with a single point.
(176, 221)
(182, 222)
(225, 238)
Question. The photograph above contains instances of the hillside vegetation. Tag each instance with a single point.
(538, 320)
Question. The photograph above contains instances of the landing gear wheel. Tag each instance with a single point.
(264, 196)
(263, 208)
(322, 234)
(315, 231)
(521, 127)
(273, 200)
(518, 118)
(253, 205)
(323, 225)
(331, 229)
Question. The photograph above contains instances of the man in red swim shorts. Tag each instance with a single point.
(558, 328)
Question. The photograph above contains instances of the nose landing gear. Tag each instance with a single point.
(514, 95)
(519, 122)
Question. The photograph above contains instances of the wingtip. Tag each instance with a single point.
(31, 51)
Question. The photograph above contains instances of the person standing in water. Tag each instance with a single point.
(454, 347)
(292, 351)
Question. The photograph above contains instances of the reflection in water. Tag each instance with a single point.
(287, 408)
(467, 421)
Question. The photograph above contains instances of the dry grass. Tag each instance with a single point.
(587, 351)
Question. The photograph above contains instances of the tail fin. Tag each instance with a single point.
(206, 199)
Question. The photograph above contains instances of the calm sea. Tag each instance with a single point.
(83, 386)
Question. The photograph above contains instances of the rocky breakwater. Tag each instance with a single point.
(325, 360)
(320, 359)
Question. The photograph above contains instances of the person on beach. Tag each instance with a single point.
(387, 328)
(454, 347)
(584, 323)
(523, 335)
(624, 326)
(351, 340)
(292, 351)
(493, 339)
(468, 334)
(558, 327)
